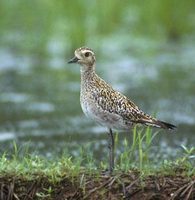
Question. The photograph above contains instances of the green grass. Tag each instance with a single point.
(29, 166)
(139, 148)
(45, 178)
(79, 22)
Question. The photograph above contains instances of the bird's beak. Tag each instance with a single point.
(73, 60)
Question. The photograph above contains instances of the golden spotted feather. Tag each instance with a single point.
(114, 102)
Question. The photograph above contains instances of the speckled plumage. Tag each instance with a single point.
(102, 103)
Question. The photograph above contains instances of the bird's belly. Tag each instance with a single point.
(105, 118)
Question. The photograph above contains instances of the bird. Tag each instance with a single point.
(106, 106)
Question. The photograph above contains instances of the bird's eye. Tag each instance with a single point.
(87, 54)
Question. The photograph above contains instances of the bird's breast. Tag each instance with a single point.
(87, 104)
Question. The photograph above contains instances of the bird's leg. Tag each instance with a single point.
(111, 150)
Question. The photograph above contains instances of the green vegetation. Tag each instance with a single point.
(135, 156)
(79, 22)
(49, 179)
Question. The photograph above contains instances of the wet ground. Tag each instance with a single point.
(123, 186)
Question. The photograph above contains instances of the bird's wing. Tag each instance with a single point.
(115, 102)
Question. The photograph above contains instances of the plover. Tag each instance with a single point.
(107, 106)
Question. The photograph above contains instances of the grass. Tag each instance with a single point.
(40, 178)
(141, 144)
(135, 156)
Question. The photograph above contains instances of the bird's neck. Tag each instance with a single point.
(87, 71)
(87, 74)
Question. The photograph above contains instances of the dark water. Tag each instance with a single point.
(39, 92)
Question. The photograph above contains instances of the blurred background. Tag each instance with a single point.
(145, 49)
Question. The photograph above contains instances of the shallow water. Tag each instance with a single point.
(40, 106)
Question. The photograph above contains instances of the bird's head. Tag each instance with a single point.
(84, 56)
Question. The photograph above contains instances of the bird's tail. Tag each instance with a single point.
(160, 124)
(165, 125)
